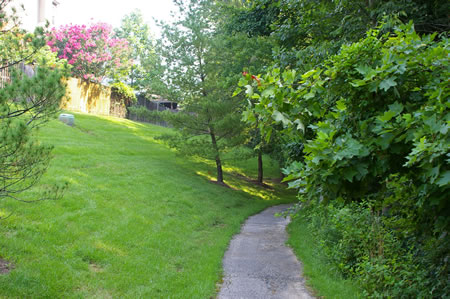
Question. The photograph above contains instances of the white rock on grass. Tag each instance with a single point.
(68, 119)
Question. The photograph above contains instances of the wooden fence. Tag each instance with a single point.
(87, 97)
(5, 72)
(93, 98)
(4, 76)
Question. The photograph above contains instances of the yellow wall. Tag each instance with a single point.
(87, 97)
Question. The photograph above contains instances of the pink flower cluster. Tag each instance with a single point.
(92, 50)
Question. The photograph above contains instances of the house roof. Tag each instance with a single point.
(158, 99)
(162, 101)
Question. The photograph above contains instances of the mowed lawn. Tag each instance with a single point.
(137, 221)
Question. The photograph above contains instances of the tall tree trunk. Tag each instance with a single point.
(260, 168)
(216, 151)
(219, 170)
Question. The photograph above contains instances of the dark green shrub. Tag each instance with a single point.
(125, 92)
(141, 113)
(363, 245)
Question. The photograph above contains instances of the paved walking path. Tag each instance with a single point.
(258, 264)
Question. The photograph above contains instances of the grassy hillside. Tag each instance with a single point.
(136, 220)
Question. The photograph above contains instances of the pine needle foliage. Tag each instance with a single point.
(27, 100)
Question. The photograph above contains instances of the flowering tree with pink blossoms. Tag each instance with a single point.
(92, 51)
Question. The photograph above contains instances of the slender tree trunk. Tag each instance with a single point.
(216, 151)
(260, 168)
(219, 170)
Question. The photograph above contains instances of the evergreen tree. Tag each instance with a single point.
(209, 120)
(27, 100)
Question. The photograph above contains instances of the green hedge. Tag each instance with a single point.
(143, 114)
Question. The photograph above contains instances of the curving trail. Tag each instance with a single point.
(258, 264)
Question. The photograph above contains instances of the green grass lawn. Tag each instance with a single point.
(136, 220)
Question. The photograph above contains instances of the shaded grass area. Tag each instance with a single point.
(136, 220)
(320, 275)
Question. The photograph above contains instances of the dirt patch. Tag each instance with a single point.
(218, 223)
(95, 268)
(179, 267)
(5, 266)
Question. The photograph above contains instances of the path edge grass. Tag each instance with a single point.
(321, 278)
